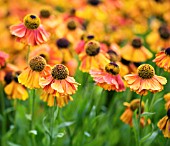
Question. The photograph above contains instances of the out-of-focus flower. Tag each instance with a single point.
(131, 51)
(108, 78)
(3, 57)
(167, 99)
(164, 124)
(58, 84)
(13, 89)
(145, 80)
(30, 32)
(92, 57)
(159, 39)
(126, 117)
(162, 59)
(31, 74)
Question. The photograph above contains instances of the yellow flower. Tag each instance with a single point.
(164, 124)
(32, 73)
(126, 117)
(13, 89)
(91, 57)
(131, 52)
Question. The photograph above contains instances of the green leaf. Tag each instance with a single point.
(66, 124)
(45, 127)
(56, 113)
(135, 126)
(28, 116)
(147, 114)
(87, 133)
(33, 132)
(60, 135)
(12, 144)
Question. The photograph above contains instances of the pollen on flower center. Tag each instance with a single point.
(31, 21)
(167, 51)
(45, 13)
(92, 48)
(71, 25)
(37, 63)
(112, 68)
(136, 43)
(146, 71)
(60, 72)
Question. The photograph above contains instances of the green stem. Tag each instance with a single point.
(52, 120)
(32, 109)
(140, 111)
(2, 101)
(32, 98)
(152, 102)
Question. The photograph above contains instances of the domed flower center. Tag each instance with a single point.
(31, 21)
(71, 25)
(112, 68)
(135, 105)
(168, 113)
(94, 2)
(136, 43)
(113, 55)
(45, 13)
(37, 63)
(164, 32)
(60, 72)
(8, 77)
(62, 43)
(92, 48)
(146, 71)
(167, 51)
(90, 37)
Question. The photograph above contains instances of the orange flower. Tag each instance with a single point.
(145, 80)
(164, 124)
(131, 52)
(126, 117)
(91, 57)
(13, 89)
(58, 84)
(108, 78)
(30, 31)
(32, 73)
(167, 99)
(159, 39)
(163, 59)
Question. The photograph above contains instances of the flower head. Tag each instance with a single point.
(30, 31)
(167, 99)
(126, 117)
(145, 80)
(163, 59)
(92, 57)
(58, 84)
(13, 89)
(108, 78)
(131, 51)
(31, 74)
(164, 124)
(3, 58)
